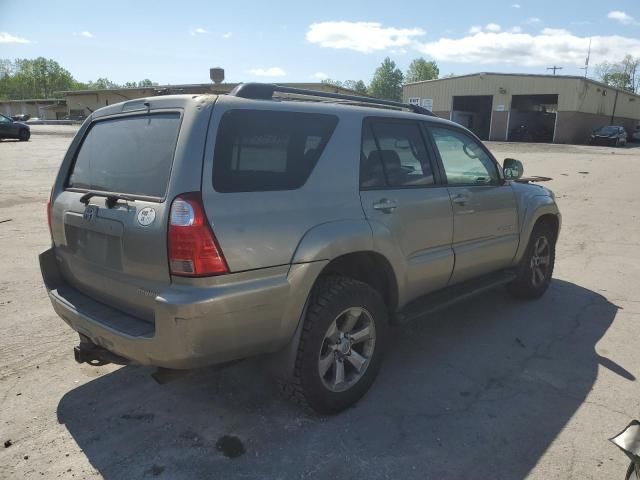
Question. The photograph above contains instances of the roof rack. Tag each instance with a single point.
(265, 91)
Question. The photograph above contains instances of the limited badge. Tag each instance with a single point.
(146, 216)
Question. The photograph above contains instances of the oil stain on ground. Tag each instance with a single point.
(230, 446)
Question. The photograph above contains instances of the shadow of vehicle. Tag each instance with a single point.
(477, 391)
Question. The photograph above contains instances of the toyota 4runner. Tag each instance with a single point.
(190, 231)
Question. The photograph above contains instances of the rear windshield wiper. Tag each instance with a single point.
(112, 198)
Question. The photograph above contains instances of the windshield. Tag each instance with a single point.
(607, 130)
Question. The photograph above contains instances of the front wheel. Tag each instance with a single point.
(24, 135)
(536, 267)
(341, 346)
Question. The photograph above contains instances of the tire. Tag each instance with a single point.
(327, 345)
(24, 135)
(536, 267)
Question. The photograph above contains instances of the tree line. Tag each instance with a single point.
(42, 77)
(388, 79)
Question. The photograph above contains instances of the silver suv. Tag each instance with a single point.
(189, 231)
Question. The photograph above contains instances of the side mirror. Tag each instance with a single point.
(513, 169)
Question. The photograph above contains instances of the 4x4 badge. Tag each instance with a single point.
(146, 216)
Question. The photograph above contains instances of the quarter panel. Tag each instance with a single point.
(261, 229)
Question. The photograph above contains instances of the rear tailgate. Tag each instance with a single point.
(114, 249)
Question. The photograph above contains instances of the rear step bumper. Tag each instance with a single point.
(249, 314)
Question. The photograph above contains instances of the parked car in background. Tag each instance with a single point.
(635, 135)
(192, 230)
(9, 128)
(23, 117)
(612, 135)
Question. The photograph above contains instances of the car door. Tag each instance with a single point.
(5, 127)
(485, 221)
(402, 194)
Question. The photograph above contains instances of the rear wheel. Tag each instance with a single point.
(536, 268)
(341, 346)
(24, 135)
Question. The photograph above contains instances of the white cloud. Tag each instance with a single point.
(622, 17)
(516, 29)
(532, 20)
(550, 46)
(515, 5)
(320, 75)
(198, 31)
(8, 38)
(489, 27)
(363, 37)
(227, 35)
(268, 72)
(86, 34)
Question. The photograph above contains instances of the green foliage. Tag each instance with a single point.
(38, 78)
(43, 78)
(623, 74)
(387, 81)
(420, 70)
(357, 85)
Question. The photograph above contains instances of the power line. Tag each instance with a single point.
(554, 68)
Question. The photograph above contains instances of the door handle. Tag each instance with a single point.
(385, 205)
(461, 199)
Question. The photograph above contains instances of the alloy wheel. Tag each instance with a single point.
(347, 349)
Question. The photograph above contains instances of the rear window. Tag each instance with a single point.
(258, 150)
(128, 155)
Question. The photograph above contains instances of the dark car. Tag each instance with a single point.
(23, 117)
(613, 135)
(12, 129)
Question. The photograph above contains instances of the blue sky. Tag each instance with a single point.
(291, 42)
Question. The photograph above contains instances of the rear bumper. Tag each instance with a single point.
(236, 316)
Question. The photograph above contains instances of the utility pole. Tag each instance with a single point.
(586, 62)
(554, 68)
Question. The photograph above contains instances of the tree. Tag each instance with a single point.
(37, 78)
(102, 84)
(387, 81)
(420, 70)
(621, 75)
(357, 85)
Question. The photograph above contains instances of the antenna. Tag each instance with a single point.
(554, 68)
(586, 62)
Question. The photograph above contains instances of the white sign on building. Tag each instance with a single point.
(428, 103)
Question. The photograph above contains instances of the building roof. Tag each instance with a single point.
(540, 75)
(35, 100)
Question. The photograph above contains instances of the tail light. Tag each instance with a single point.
(193, 249)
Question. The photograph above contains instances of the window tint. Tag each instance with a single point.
(128, 155)
(465, 161)
(394, 154)
(258, 150)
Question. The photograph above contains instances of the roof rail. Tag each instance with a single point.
(265, 91)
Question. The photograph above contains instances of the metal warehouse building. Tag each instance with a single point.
(545, 108)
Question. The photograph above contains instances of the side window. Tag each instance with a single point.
(261, 150)
(394, 154)
(465, 162)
